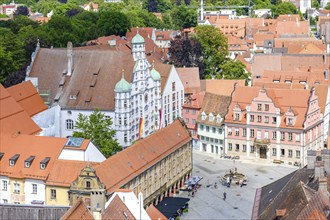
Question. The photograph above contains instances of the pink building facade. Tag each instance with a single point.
(190, 111)
(277, 125)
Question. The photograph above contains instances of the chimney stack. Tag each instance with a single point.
(311, 158)
(70, 58)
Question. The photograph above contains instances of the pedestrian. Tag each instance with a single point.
(193, 193)
(224, 196)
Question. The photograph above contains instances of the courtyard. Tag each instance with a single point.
(208, 201)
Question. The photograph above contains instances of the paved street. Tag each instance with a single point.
(208, 202)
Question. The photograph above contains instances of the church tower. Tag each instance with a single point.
(138, 47)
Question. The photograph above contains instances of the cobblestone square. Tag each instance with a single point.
(208, 202)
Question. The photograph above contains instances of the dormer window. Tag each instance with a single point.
(290, 121)
(236, 116)
(44, 162)
(203, 116)
(211, 118)
(29, 161)
(13, 159)
(218, 119)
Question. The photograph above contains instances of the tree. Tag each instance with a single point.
(327, 7)
(284, 8)
(113, 22)
(214, 46)
(315, 4)
(22, 10)
(152, 6)
(232, 69)
(183, 17)
(73, 12)
(97, 128)
(186, 52)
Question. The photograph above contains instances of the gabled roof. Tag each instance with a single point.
(13, 117)
(116, 210)
(215, 104)
(127, 164)
(27, 96)
(190, 79)
(78, 211)
(25, 146)
(64, 172)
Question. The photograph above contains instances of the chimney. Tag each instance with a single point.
(311, 158)
(319, 168)
(70, 58)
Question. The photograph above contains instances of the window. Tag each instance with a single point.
(259, 107)
(282, 136)
(187, 110)
(252, 133)
(236, 116)
(297, 153)
(212, 149)
(266, 107)
(5, 201)
(259, 118)
(34, 188)
(244, 148)
(237, 147)
(252, 149)
(211, 139)
(229, 131)
(17, 188)
(218, 119)
(236, 131)
(187, 120)
(69, 124)
(274, 120)
(298, 137)
(244, 132)
(290, 136)
(88, 184)
(274, 135)
(53, 193)
(173, 86)
(214, 130)
(207, 128)
(274, 151)
(251, 117)
(230, 146)
(211, 118)
(4, 185)
(289, 153)
(220, 131)
(194, 111)
(202, 138)
(266, 135)
(194, 121)
(266, 119)
(289, 121)
(201, 127)
(282, 152)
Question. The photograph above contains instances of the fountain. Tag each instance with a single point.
(236, 177)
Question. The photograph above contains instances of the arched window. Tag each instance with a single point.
(69, 124)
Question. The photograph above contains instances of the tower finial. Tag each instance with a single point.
(123, 73)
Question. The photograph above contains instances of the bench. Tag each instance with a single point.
(277, 161)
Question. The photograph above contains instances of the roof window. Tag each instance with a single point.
(1, 155)
(13, 159)
(29, 161)
(44, 163)
(74, 142)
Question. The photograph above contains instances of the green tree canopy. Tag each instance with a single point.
(113, 22)
(315, 4)
(183, 17)
(284, 8)
(97, 128)
(214, 46)
(232, 69)
(327, 7)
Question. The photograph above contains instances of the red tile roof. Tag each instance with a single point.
(127, 164)
(116, 210)
(13, 118)
(27, 96)
(155, 214)
(78, 211)
(190, 79)
(220, 86)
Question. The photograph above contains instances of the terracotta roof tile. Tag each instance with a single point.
(127, 164)
(78, 211)
(220, 86)
(116, 210)
(64, 172)
(194, 101)
(27, 96)
(13, 118)
(190, 79)
(155, 214)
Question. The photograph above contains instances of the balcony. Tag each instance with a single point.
(262, 141)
